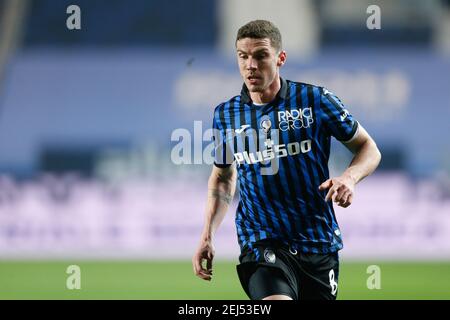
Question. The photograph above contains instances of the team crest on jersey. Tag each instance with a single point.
(295, 119)
(265, 124)
(269, 256)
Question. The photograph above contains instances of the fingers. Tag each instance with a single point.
(342, 192)
(209, 262)
(333, 189)
(202, 273)
(199, 270)
(340, 195)
(347, 202)
(330, 194)
(205, 275)
(327, 184)
(196, 264)
(350, 200)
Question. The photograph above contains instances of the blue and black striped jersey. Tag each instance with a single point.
(281, 151)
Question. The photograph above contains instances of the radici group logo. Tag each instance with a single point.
(295, 119)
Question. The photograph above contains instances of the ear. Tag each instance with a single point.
(282, 56)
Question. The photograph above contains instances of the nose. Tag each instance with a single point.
(251, 64)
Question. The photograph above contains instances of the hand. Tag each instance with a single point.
(341, 190)
(204, 252)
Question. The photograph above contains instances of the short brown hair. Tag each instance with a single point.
(259, 29)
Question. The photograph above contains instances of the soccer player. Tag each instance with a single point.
(274, 138)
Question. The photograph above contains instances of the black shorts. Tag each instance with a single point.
(279, 269)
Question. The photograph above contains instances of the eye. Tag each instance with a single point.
(261, 55)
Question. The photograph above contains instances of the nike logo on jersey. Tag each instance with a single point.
(242, 128)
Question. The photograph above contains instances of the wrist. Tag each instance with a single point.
(350, 176)
(207, 236)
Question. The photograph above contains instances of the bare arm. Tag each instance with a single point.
(365, 161)
(221, 188)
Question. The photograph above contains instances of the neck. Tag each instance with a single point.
(268, 94)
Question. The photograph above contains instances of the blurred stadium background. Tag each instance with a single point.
(87, 133)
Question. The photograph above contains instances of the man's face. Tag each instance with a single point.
(258, 63)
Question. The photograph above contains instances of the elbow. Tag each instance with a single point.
(222, 177)
(377, 154)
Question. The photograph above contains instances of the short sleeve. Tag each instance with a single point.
(223, 155)
(335, 117)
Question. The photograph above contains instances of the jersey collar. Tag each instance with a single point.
(245, 95)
